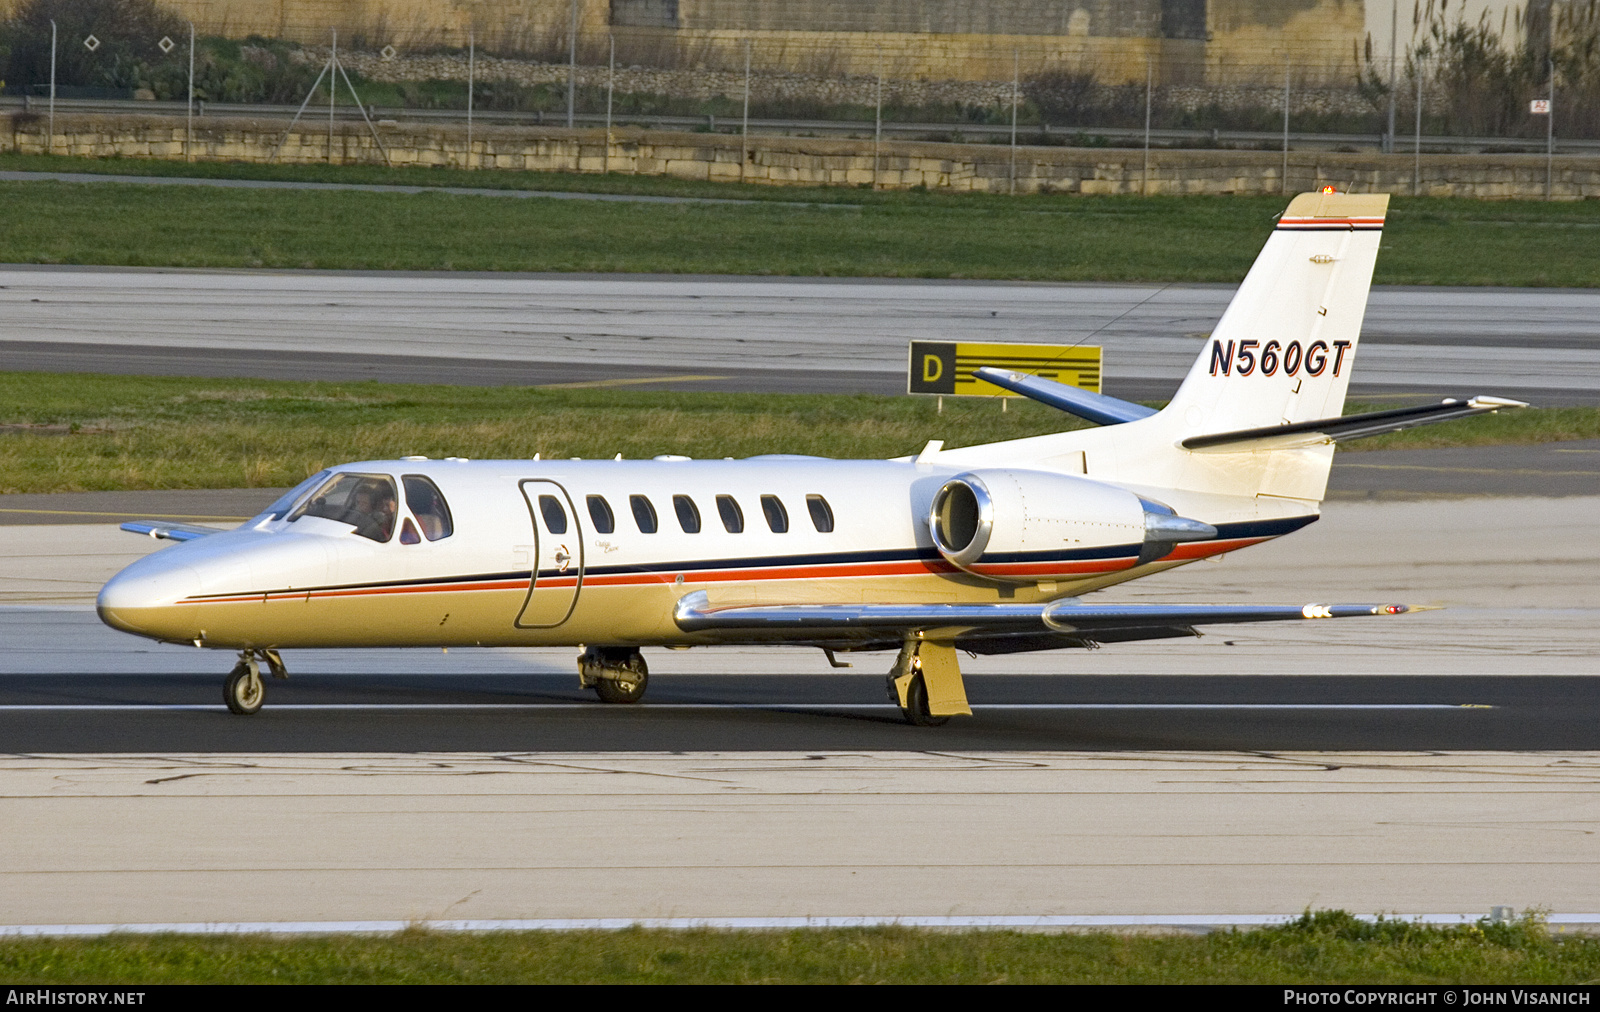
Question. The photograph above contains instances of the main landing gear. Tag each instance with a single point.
(926, 684)
(243, 691)
(616, 674)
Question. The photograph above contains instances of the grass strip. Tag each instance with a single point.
(1042, 238)
(1322, 948)
(72, 432)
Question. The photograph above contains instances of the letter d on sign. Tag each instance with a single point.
(932, 368)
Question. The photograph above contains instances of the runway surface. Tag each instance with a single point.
(1515, 577)
(1442, 762)
(422, 836)
(733, 333)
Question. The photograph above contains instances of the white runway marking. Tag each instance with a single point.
(203, 707)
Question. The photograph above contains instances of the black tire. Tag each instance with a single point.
(916, 708)
(243, 692)
(630, 688)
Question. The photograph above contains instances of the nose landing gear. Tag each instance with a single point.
(243, 691)
(616, 674)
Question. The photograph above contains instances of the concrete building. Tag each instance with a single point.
(1178, 41)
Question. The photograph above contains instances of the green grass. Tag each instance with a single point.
(848, 233)
(68, 432)
(1322, 948)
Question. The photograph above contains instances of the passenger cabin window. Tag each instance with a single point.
(600, 513)
(688, 514)
(777, 516)
(732, 516)
(644, 514)
(555, 517)
(821, 513)
(364, 501)
(428, 506)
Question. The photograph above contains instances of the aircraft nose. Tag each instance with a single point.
(149, 598)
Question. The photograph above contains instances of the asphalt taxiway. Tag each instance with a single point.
(1441, 762)
(737, 333)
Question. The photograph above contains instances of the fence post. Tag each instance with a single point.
(744, 129)
(1550, 130)
(50, 141)
(877, 121)
(1016, 82)
(611, 83)
(1416, 147)
(1283, 180)
(333, 90)
(188, 126)
(1394, 41)
(572, 67)
(472, 68)
(1149, 85)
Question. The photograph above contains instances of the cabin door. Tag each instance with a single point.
(555, 557)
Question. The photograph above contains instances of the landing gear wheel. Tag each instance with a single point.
(916, 708)
(627, 684)
(243, 691)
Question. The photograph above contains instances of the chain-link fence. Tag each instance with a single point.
(1453, 85)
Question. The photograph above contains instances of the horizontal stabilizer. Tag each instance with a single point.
(171, 532)
(1097, 408)
(695, 613)
(1337, 430)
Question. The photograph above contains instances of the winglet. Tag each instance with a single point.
(1097, 408)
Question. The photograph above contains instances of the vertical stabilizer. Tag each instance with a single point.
(1283, 350)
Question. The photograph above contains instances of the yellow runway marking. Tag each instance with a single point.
(587, 384)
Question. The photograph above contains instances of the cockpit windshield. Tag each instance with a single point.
(286, 501)
(364, 501)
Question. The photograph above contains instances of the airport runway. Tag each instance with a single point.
(1438, 763)
(1515, 577)
(734, 333)
(1134, 836)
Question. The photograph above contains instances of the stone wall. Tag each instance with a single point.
(840, 89)
(796, 161)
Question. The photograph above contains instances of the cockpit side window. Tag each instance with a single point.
(364, 501)
(286, 501)
(428, 506)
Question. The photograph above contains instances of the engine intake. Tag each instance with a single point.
(962, 520)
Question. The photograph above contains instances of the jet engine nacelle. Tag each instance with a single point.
(1023, 526)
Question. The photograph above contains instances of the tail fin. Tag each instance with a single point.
(1283, 350)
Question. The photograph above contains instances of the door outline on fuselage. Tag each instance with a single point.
(575, 533)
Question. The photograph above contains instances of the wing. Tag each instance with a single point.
(172, 532)
(994, 628)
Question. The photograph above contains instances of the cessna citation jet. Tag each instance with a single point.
(987, 549)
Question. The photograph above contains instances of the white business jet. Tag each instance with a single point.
(984, 548)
